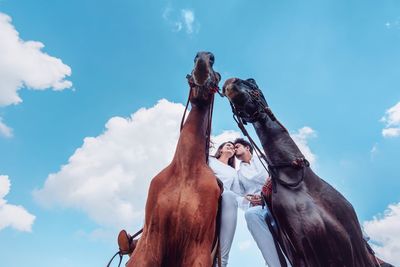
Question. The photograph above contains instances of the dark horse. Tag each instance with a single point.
(319, 226)
(182, 203)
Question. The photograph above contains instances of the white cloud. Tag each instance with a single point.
(392, 116)
(5, 130)
(109, 175)
(24, 64)
(185, 19)
(13, 216)
(166, 13)
(385, 235)
(301, 139)
(391, 132)
(188, 17)
(392, 121)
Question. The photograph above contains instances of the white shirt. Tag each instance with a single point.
(224, 172)
(251, 178)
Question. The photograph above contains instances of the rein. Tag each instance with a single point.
(272, 169)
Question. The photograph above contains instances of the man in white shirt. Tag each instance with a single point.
(251, 177)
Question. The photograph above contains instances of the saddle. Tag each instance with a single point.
(126, 243)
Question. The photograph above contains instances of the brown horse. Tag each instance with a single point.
(320, 223)
(182, 201)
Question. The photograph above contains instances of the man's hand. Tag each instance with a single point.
(255, 200)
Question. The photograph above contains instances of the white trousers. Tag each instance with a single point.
(228, 224)
(255, 218)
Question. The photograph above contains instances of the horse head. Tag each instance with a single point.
(246, 98)
(203, 79)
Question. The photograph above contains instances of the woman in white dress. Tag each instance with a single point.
(223, 165)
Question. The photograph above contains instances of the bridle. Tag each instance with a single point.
(242, 118)
(212, 86)
(255, 96)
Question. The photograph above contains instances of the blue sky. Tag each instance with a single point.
(83, 130)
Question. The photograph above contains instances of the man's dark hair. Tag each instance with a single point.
(244, 143)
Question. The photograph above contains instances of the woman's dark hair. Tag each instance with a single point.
(231, 160)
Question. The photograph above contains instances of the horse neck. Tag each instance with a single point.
(191, 148)
(279, 147)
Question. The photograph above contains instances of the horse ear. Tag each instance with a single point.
(252, 81)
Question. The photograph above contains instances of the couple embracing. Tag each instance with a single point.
(247, 183)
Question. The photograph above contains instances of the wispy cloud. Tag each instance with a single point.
(183, 19)
(374, 151)
(393, 24)
(392, 121)
(14, 216)
(5, 130)
(385, 235)
(188, 17)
